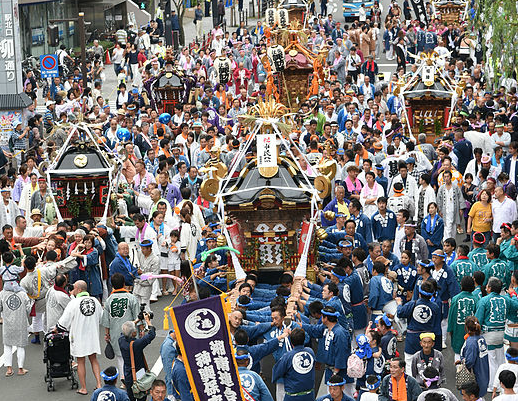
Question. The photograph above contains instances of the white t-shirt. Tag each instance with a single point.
(369, 397)
(506, 397)
(512, 368)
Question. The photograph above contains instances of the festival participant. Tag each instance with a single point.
(57, 300)
(384, 222)
(448, 287)
(413, 242)
(507, 380)
(475, 354)
(121, 264)
(295, 369)
(181, 387)
(492, 312)
(110, 390)
(496, 267)
(149, 264)
(462, 305)
(478, 254)
(380, 290)
(432, 387)
(251, 382)
(426, 358)
(15, 306)
(81, 318)
(334, 346)
(399, 386)
(422, 317)
(363, 222)
(432, 228)
(450, 205)
(120, 307)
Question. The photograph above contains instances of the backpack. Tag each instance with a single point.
(355, 367)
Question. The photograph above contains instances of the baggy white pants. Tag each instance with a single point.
(8, 355)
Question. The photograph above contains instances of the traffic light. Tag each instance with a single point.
(144, 4)
(53, 35)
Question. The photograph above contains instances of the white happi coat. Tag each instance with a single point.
(8, 213)
(48, 275)
(56, 302)
(81, 319)
(15, 308)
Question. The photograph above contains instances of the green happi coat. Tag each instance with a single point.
(463, 305)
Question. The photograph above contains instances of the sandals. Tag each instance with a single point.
(9, 374)
(23, 372)
(81, 393)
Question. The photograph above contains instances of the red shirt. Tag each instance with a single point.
(141, 59)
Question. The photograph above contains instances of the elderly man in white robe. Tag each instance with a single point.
(8, 208)
(120, 307)
(81, 319)
(57, 300)
(36, 283)
(15, 307)
(149, 264)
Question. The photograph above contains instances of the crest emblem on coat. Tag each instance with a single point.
(422, 314)
(302, 362)
(87, 306)
(247, 381)
(13, 302)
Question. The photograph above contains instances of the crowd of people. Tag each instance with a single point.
(421, 239)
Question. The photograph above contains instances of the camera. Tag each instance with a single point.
(141, 313)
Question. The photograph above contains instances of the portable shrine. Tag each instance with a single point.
(425, 100)
(80, 176)
(268, 209)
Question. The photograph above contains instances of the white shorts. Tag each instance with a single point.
(173, 267)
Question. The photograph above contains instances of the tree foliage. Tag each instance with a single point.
(498, 23)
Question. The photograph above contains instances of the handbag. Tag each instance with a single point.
(463, 376)
(108, 351)
(140, 387)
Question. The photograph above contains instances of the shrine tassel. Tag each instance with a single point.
(166, 322)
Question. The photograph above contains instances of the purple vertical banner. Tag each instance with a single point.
(204, 337)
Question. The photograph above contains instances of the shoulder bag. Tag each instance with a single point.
(141, 386)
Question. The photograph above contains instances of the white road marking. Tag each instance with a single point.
(157, 367)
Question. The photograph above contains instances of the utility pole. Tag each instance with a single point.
(81, 26)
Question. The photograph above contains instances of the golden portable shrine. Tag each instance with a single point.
(427, 97)
(268, 211)
(450, 11)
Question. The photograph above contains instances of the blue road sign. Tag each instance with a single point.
(49, 66)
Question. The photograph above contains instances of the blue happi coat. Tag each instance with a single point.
(352, 293)
(423, 316)
(383, 227)
(475, 354)
(296, 368)
(334, 347)
(254, 385)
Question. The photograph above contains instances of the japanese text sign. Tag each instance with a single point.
(10, 51)
(203, 334)
(266, 150)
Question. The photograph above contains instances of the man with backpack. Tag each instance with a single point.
(334, 346)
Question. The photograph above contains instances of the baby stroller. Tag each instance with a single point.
(56, 356)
